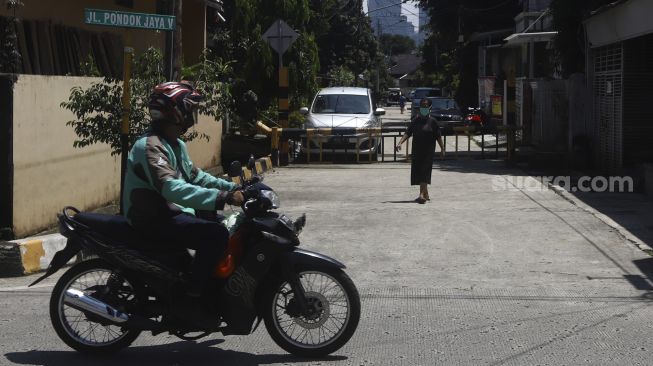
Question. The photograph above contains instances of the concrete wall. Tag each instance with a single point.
(49, 173)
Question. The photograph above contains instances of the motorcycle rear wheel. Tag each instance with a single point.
(336, 304)
(80, 330)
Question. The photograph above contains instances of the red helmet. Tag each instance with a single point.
(175, 102)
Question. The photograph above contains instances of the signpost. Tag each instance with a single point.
(280, 36)
(129, 20)
(123, 19)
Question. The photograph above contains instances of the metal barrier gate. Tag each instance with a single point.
(312, 145)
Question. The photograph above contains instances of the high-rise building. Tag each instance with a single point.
(423, 25)
(386, 18)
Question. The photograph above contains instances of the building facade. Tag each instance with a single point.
(387, 18)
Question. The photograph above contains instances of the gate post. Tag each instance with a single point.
(274, 144)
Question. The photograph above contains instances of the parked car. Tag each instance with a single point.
(393, 96)
(341, 109)
(419, 94)
(446, 112)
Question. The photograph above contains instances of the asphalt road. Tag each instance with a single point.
(495, 270)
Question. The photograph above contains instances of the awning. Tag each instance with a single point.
(517, 39)
(619, 22)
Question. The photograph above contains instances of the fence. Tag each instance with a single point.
(314, 145)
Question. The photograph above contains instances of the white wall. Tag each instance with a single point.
(49, 173)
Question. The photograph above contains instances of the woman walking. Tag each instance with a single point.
(425, 132)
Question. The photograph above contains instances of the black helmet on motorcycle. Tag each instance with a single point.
(175, 102)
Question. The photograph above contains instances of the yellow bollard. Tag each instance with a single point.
(321, 148)
(369, 145)
(309, 137)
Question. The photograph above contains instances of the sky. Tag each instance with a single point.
(405, 10)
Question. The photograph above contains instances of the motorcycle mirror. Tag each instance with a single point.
(235, 169)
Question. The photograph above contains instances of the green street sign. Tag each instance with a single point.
(129, 20)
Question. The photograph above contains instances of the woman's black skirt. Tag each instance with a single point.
(421, 166)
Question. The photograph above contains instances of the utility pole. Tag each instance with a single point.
(169, 56)
(177, 48)
(378, 66)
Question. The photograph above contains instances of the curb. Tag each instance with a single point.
(606, 220)
(33, 254)
(261, 166)
(29, 255)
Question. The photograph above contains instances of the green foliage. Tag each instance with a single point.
(209, 75)
(10, 58)
(303, 69)
(88, 67)
(341, 76)
(98, 109)
(446, 61)
(333, 33)
(395, 44)
(295, 119)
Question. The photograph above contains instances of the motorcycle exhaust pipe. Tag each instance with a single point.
(78, 300)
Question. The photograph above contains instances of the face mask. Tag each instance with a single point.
(424, 111)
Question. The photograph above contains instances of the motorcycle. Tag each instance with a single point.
(476, 117)
(309, 305)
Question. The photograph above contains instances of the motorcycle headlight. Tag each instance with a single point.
(274, 199)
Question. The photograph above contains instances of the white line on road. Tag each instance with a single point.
(23, 288)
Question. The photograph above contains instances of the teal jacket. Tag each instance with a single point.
(161, 182)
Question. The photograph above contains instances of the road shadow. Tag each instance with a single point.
(632, 211)
(407, 201)
(645, 281)
(178, 354)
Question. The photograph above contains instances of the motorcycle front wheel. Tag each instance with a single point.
(83, 331)
(334, 305)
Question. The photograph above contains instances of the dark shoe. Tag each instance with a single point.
(420, 200)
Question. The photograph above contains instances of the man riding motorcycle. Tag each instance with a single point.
(165, 194)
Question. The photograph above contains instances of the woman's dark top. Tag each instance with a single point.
(424, 131)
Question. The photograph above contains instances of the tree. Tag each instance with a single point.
(344, 35)
(240, 38)
(9, 56)
(333, 33)
(341, 76)
(396, 44)
(98, 109)
(444, 56)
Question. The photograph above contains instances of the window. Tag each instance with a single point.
(425, 93)
(341, 104)
(444, 104)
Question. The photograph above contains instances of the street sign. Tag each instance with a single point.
(129, 20)
(280, 36)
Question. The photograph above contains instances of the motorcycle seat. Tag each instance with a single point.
(113, 227)
(116, 229)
